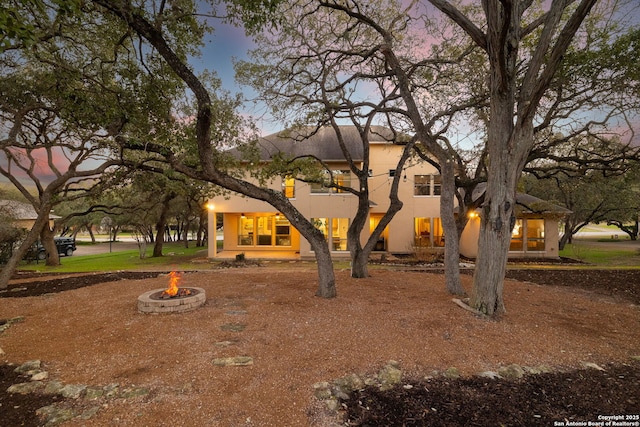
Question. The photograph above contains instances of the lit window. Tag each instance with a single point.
(245, 230)
(264, 230)
(334, 230)
(517, 236)
(283, 231)
(535, 235)
(422, 228)
(438, 232)
(428, 232)
(339, 228)
(288, 187)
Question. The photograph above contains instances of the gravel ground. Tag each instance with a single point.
(558, 318)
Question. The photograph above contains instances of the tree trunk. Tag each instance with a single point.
(566, 237)
(326, 275)
(46, 236)
(452, 240)
(360, 265)
(161, 225)
(90, 230)
(185, 232)
(493, 246)
(17, 255)
(497, 221)
(202, 226)
(498, 216)
(359, 257)
(159, 240)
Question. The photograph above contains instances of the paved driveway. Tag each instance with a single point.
(622, 242)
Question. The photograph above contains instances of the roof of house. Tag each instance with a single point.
(17, 210)
(322, 142)
(526, 203)
(532, 204)
(20, 210)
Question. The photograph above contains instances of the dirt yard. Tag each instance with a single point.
(94, 336)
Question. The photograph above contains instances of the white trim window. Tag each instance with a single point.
(334, 230)
(289, 187)
(264, 230)
(427, 185)
(340, 177)
(527, 236)
(428, 232)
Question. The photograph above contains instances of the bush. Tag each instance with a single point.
(10, 237)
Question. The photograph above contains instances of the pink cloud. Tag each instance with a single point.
(39, 161)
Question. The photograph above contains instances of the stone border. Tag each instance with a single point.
(390, 375)
(90, 399)
(173, 305)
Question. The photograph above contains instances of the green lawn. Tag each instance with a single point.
(175, 257)
(600, 256)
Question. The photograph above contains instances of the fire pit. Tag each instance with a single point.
(173, 299)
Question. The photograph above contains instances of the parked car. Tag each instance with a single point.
(65, 245)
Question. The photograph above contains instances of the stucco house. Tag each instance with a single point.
(256, 229)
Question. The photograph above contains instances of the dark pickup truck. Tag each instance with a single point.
(65, 245)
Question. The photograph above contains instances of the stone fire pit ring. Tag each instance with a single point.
(150, 302)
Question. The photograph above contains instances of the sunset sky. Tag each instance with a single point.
(225, 43)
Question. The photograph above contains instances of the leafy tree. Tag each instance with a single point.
(503, 63)
(64, 99)
(78, 215)
(519, 79)
(37, 136)
(190, 210)
(17, 30)
(593, 197)
(10, 233)
(168, 35)
(306, 73)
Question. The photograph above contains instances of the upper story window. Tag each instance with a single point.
(437, 184)
(427, 185)
(289, 187)
(340, 177)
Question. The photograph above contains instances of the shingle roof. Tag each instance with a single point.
(17, 210)
(526, 203)
(321, 143)
(20, 210)
(532, 204)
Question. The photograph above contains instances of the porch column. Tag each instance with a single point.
(212, 251)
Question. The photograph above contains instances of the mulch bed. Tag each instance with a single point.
(39, 286)
(624, 284)
(20, 409)
(536, 400)
(552, 399)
